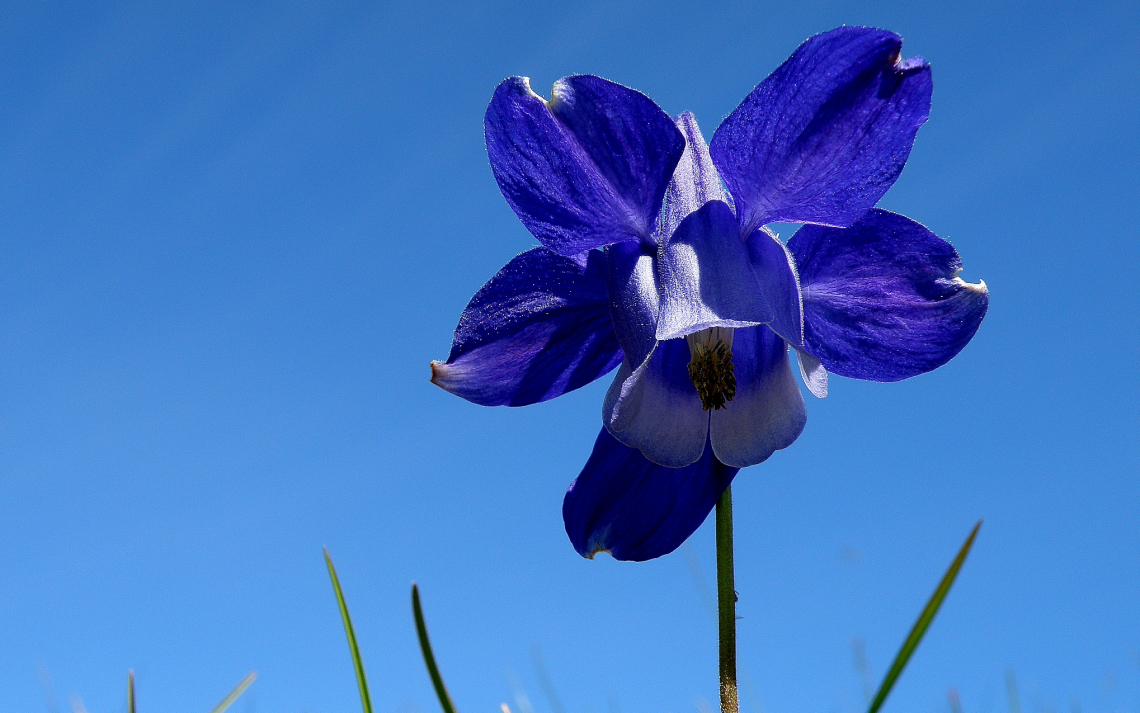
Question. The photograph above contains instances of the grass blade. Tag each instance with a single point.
(545, 681)
(923, 623)
(233, 695)
(130, 692)
(357, 662)
(429, 659)
(1011, 692)
(859, 655)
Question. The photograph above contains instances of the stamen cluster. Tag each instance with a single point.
(711, 369)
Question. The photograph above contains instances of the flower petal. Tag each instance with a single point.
(586, 169)
(882, 299)
(634, 509)
(775, 272)
(634, 303)
(825, 135)
(539, 328)
(768, 412)
(813, 374)
(703, 265)
(695, 181)
(655, 408)
(706, 280)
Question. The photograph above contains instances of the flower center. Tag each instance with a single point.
(710, 368)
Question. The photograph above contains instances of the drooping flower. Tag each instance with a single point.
(655, 260)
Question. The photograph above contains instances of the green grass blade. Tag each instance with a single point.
(130, 692)
(923, 623)
(357, 662)
(546, 682)
(1011, 692)
(429, 659)
(233, 695)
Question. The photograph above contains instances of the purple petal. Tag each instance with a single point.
(634, 509)
(703, 265)
(539, 328)
(825, 135)
(882, 299)
(655, 408)
(634, 303)
(775, 272)
(768, 412)
(706, 280)
(586, 169)
(695, 180)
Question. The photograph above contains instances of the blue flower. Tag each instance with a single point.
(655, 260)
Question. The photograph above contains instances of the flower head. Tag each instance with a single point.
(655, 260)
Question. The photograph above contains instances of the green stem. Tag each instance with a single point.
(726, 603)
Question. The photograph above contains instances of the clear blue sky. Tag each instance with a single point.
(231, 240)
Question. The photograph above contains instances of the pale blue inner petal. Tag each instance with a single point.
(656, 409)
(703, 263)
(768, 412)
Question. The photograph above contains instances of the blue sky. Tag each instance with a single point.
(233, 237)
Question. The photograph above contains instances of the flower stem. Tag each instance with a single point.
(726, 603)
